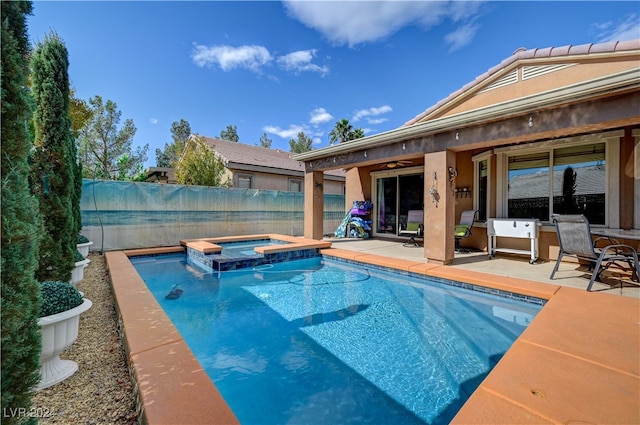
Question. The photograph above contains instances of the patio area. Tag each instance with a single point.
(517, 266)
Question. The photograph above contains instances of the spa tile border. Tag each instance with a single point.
(507, 287)
(443, 281)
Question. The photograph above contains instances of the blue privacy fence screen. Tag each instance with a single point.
(125, 215)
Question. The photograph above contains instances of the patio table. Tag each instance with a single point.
(632, 234)
(628, 234)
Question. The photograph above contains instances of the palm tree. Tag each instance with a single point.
(358, 133)
(340, 132)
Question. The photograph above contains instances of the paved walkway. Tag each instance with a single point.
(569, 274)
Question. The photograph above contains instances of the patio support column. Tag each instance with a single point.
(313, 204)
(439, 207)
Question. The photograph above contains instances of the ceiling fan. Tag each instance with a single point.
(395, 164)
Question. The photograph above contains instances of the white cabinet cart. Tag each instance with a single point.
(523, 228)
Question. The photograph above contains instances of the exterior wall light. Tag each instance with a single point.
(530, 121)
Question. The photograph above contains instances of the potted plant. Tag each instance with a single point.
(60, 312)
(77, 274)
(83, 245)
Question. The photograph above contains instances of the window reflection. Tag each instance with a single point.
(579, 181)
(528, 190)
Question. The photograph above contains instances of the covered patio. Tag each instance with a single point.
(546, 131)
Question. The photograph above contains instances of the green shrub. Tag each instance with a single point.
(82, 239)
(77, 257)
(53, 158)
(57, 297)
(20, 223)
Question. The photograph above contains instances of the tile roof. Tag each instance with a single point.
(240, 153)
(528, 54)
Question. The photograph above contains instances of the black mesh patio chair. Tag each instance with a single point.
(574, 238)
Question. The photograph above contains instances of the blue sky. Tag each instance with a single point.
(284, 67)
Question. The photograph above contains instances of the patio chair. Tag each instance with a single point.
(463, 229)
(574, 238)
(415, 227)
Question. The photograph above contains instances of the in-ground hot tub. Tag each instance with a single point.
(238, 252)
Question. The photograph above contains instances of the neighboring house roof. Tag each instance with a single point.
(239, 156)
(160, 174)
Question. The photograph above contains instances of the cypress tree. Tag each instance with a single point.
(76, 185)
(54, 161)
(20, 223)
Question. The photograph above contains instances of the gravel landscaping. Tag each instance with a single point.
(101, 391)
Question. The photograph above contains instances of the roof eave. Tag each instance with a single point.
(629, 79)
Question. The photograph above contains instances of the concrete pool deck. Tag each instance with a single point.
(578, 361)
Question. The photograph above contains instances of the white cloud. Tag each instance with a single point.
(377, 120)
(320, 116)
(286, 133)
(371, 112)
(228, 57)
(301, 61)
(627, 29)
(356, 22)
(254, 58)
(153, 120)
(461, 37)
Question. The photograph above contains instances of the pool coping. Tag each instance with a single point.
(567, 366)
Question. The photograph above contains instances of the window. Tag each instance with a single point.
(295, 185)
(245, 181)
(528, 186)
(579, 181)
(481, 194)
(555, 178)
(574, 185)
(396, 192)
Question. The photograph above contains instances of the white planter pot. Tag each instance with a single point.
(59, 332)
(78, 271)
(84, 248)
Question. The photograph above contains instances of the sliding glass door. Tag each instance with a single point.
(396, 192)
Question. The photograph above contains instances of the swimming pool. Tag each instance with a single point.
(319, 341)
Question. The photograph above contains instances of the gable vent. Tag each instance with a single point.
(510, 78)
(536, 71)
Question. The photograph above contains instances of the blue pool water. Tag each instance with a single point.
(246, 248)
(323, 342)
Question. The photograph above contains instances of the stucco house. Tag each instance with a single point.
(256, 167)
(553, 130)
